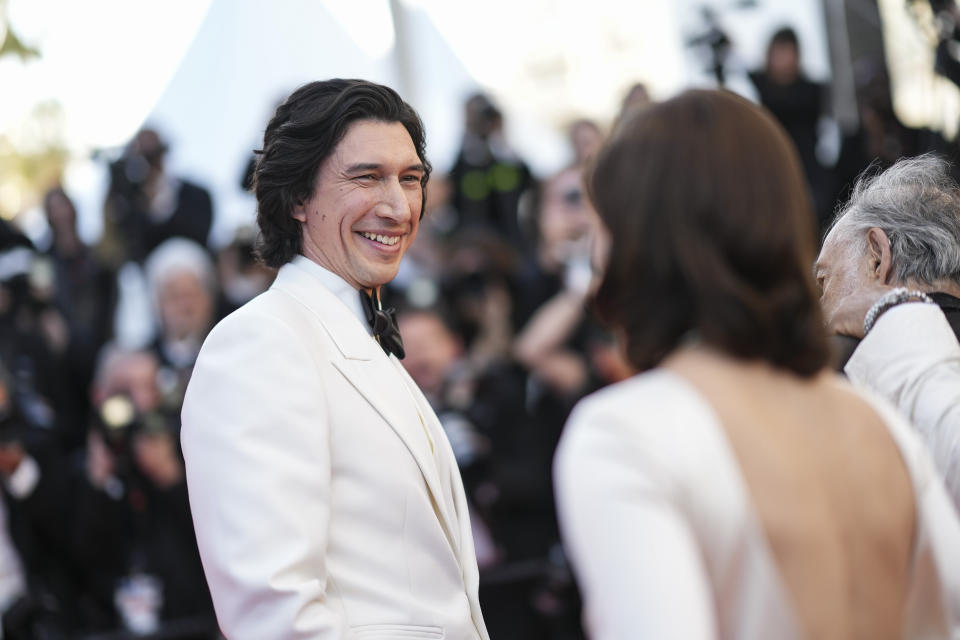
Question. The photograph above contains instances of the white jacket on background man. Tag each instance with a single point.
(912, 358)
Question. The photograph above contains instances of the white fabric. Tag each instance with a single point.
(336, 285)
(15, 262)
(134, 322)
(13, 582)
(20, 484)
(911, 357)
(24, 478)
(326, 499)
(666, 543)
(164, 202)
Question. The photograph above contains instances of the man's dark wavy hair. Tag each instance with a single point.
(303, 133)
(712, 234)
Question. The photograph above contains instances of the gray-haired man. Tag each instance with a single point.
(889, 275)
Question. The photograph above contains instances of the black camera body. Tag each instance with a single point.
(119, 422)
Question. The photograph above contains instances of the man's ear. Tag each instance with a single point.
(300, 211)
(878, 247)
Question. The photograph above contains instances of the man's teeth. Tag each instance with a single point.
(388, 240)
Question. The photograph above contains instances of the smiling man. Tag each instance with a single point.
(326, 499)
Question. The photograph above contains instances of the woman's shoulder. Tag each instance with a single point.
(645, 394)
(912, 450)
(654, 417)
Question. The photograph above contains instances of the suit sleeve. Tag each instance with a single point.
(255, 440)
(911, 357)
(634, 554)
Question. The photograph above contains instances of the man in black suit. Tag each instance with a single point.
(146, 205)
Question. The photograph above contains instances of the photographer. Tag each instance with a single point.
(182, 284)
(134, 526)
(488, 177)
(145, 205)
(552, 340)
(80, 292)
(41, 586)
(40, 582)
(798, 104)
(36, 338)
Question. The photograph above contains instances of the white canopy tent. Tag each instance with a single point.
(545, 61)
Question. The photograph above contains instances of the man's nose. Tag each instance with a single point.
(393, 203)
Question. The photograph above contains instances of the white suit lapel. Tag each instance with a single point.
(374, 376)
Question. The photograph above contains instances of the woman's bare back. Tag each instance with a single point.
(829, 487)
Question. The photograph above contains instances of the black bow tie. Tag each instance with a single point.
(384, 324)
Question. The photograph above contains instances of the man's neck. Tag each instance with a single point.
(939, 286)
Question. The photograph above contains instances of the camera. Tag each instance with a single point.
(118, 421)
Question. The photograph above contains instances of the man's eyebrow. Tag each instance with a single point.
(363, 166)
(374, 166)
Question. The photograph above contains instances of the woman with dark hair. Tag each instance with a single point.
(736, 488)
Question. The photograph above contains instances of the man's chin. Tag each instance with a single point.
(376, 280)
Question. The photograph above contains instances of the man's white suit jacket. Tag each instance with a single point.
(326, 499)
(911, 357)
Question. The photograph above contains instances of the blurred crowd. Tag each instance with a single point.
(97, 344)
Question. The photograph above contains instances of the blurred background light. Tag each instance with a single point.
(921, 97)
